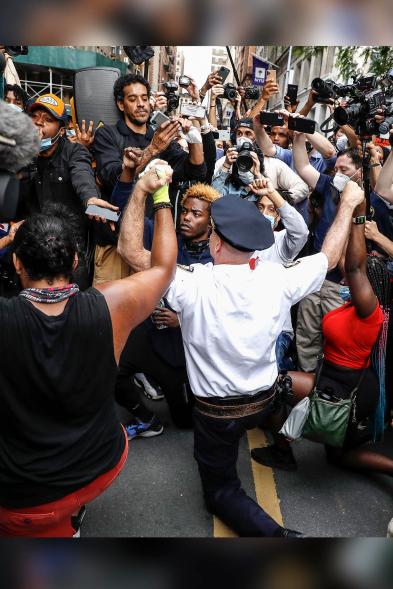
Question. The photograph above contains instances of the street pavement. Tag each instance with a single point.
(158, 493)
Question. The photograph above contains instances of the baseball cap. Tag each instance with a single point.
(247, 122)
(53, 104)
(239, 223)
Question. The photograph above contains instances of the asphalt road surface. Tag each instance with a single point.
(158, 493)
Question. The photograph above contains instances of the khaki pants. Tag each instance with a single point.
(312, 309)
(108, 265)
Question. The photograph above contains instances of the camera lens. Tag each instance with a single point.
(244, 161)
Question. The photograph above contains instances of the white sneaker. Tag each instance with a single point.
(151, 392)
(390, 529)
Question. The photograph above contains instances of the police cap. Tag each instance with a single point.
(239, 223)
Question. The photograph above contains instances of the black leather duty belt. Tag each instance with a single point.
(234, 407)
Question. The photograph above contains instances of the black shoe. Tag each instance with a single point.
(286, 533)
(274, 457)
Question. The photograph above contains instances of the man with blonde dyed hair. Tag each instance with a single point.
(156, 347)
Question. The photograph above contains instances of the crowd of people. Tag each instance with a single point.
(232, 278)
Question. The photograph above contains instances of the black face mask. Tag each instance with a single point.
(196, 247)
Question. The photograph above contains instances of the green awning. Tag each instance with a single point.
(67, 58)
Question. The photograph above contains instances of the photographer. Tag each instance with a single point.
(321, 156)
(132, 94)
(228, 180)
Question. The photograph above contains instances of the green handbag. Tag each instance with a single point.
(327, 421)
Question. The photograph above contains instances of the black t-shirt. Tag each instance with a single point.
(58, 424)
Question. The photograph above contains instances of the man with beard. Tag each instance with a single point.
(132, 94)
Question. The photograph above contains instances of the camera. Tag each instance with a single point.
(324, 89)
(251, 92)
(360, 113)
(173, 99)
(184, 81)
(230, 91)
(244, 160)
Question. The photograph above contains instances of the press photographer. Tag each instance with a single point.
(230, 178)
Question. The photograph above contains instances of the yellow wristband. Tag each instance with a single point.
(161, 195)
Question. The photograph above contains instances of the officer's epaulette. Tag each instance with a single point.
(291, 264)
(186, 268)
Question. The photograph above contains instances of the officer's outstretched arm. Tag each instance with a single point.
(134, 298)
(337, 235)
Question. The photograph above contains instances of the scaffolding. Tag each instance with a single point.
(36, 88)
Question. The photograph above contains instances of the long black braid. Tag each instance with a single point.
(382, 285)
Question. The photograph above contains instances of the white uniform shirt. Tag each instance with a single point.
(231, 316)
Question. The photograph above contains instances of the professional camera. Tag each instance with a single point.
(171, 96)
(138, 54)
(251, 92)
(325, 90)
(244, 160)
(230, 91)
(360, 112)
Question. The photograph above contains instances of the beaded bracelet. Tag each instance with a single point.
(161, 205)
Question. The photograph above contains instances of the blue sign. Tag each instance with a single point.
(259, 69)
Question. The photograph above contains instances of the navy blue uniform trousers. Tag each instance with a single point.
(216, 447)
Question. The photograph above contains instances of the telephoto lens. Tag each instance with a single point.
(244, 160)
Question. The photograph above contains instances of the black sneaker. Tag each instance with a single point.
(274, 457)
(286, 533)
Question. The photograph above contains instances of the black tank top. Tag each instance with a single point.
(58, 424)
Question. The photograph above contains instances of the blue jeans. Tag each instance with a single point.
(283, 344)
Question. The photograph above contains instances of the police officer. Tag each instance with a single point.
(231, 313)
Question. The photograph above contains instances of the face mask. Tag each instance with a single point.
(15, 107)
(241, 140)
(345, 293)
(48, 142)
(341, 180)
(219, 153)
(246, 177)
(342, 143)
(271, 219)
(70, 133)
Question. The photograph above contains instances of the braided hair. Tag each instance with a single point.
(382, 286)
(46, 245)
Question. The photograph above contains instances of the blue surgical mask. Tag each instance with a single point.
(219, 153)
(345, 293)
(48, 142)
(70, 133)
(271, 219)
(246, 177)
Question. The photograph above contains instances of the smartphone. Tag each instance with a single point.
(158, 118)
(193, 110)
(224, 135)
(271, 75)
(223, 72)
(274, 119)
(292, 93)
(301, 125)
(184, 81)
(102, 212)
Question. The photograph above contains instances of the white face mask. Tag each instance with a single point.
(342, 143)
(246, 177)
(241, 140)
(341, 180)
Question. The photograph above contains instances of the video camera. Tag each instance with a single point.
(367, 95)
(171, 95)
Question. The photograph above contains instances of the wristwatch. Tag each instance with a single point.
(359, 220)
